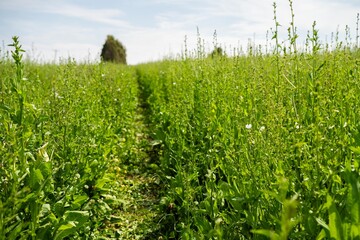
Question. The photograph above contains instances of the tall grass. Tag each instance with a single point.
(259, 145)
(253, 146)
(61, 128)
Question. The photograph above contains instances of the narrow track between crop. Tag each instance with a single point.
(136, 217)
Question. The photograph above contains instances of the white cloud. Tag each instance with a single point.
(149, 44)
(108, 16)
(235, 21)
(173, 20)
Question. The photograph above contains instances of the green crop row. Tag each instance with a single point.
(63, 128)
(259, 145)
(264, 145)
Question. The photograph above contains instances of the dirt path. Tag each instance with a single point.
(138, 187)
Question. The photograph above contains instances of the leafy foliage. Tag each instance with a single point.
(258, 145)
(265, 145)
(217, 52)
(62, 127)
(113, 51)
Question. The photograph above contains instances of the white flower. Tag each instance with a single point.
(248, 126)
(262, 128)
(58, 96)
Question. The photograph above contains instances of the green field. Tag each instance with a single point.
(253, 146)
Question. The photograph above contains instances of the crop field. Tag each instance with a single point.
(261, 145)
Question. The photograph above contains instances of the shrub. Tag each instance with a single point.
(217, 52)
(113, 51)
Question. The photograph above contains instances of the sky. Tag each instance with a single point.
(150, 30)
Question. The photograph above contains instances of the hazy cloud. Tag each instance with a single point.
(152, 28)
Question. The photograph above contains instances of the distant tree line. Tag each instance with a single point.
(114, 51)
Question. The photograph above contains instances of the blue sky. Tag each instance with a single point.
(152, 29)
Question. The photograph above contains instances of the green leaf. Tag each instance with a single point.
(321, 66)
(353, 202)
(355, 149)
(268, 233)
(202, 223)
(79, 200)
(101, 182)
(355, 231)
(44, 231)
(322, 235)
(335, 224)
(225, 187)
(322, 223)
(80, 217)
(65, 230)
(354, 199)
(16, 230)
(29, 197)
(36, 178)
(5, 107)
(172, 235)
(58, 208)
(74, 220)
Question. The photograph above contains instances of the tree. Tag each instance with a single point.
(217, 52)
(113, 51)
